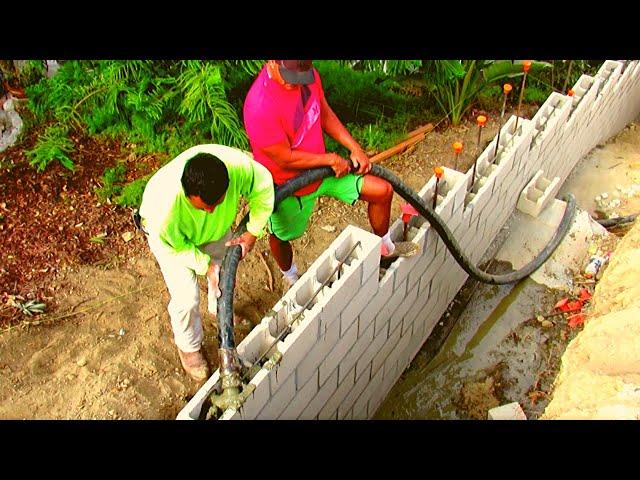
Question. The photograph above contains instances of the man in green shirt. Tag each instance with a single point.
(187, 211)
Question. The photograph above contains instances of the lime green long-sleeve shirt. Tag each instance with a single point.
(169, 216)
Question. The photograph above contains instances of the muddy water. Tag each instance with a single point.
(495, 352)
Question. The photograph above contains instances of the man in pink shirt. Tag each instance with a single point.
(285, 114)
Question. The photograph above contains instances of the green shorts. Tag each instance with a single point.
(290, 219)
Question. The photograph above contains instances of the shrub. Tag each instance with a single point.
(54, 144)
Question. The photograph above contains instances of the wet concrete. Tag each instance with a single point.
(494, 352)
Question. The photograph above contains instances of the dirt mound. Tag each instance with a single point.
(600, 373)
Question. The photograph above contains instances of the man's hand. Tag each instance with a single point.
(246, 241)
(339, 165)
(360, 161)
(213, 278)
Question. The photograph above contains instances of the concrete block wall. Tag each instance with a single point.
(347, 335)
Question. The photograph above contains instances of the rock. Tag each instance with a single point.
(81, 362)
(547, 324)
(127, 236)
(328, 228)
(511, 411)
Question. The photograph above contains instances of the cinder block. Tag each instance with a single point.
(415, 310)
(537, 194)
(309, 365)
(511, 411)
(357, 350)
(338, 352)
(377, 302)
(347, 404)
(193, 408)
(321, 398)
(363, 363)
(296, 346)
(231, 414)
(396, 353)
(330, 409)
(301, 399)
(279, 401)
(373, 385)
(383, 353)
(397, 314)
(259, 398)
(361, 299)
(391, 306)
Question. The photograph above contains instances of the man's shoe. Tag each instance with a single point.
(194, 364)
(403, 249)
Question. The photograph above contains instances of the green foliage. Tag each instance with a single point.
(111, 182)
(32, 72)
(535, 95)
(150, 103)
(456, 84)
(131, 194)
(363, 97)
(54, 144)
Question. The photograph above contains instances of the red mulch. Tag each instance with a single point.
(47, 219)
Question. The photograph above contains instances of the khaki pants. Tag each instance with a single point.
(182, 283)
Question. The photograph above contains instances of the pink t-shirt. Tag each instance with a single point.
(273, 114)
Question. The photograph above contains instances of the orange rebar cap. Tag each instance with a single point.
(570, 92)
(481, 120)
(526, 65)
(507, 88)
(457, 147)
(439, 171)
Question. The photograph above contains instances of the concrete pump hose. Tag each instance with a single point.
(232, 257)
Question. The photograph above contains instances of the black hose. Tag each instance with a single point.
(232, 257)
(612, 222)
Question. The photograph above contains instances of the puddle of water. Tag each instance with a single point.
(491, 347)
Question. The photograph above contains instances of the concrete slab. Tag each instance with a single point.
(529, 235)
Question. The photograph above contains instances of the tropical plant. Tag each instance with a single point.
(54, 144)
(456, 84)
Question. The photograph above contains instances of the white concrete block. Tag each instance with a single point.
(357, 350)
(279, 400)
(300, 401)
(338, 352)
(321, 398)
(361, 299)
(330, 409)
(369, 313)
(308, 367)
(511, 411)
(537, 194)
(347, 403)
(373, 385)
(383, 353)
(364, 361)
(258, 398)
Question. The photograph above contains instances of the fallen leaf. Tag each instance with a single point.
(561, 303)
(127, 236)
(576, 319)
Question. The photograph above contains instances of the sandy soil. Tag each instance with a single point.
(107, 351)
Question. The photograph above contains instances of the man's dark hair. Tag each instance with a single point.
(205, 176)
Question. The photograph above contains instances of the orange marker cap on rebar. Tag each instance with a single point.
(457, 147)
(570, 92)
(526, 65)
(481, 120)
(439, 171)
(507, 88)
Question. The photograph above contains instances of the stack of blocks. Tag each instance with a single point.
(358, 333)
